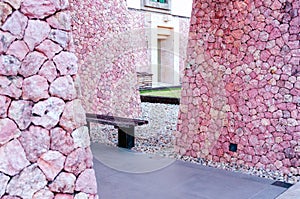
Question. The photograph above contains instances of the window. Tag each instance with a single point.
(158, 4)
(160, 1)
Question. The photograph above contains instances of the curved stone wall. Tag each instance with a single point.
(242, 85)
(104, 45)
(44, 145)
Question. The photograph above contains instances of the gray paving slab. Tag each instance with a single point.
(159, 178)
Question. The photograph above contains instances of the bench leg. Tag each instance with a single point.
(126, 137)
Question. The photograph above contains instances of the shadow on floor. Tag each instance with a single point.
(124, 174)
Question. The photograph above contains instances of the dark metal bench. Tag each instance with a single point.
(125, 127)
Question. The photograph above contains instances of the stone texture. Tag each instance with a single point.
(73, 116)
(14, 3)
(256, 88)
(81, 196)
(63, 87)
(64, 183)
(10, 197)
(51, 163)
(47, 113)
(13, 158)
(29, 181)
(18, 49)
(36, 32)
(63, 196)
(16, 24)
(5, 40)
(38, 8)
(79, 160)
(48, 70)
(61, 141)
(66, 63)
(60, 20)
(36, 142)
(4, 104)
(11, 86)
(43, 194)
(49, 48)
(3, 183)
(20, 111)
(5, 11)
(32, 63)
(61, 37)
(31, 157)
(8, 131)
(86, 182)
(81, 137)
(9, 65)
(35, 88)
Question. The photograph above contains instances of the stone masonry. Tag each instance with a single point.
(44, 145)
(105, 46)
(242, 85)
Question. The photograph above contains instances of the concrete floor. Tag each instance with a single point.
(124, 174)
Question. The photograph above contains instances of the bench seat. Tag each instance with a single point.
(125, 127)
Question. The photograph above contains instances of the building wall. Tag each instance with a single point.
(145, 26)
(242, 84)
(44, 145)
(178, 7)
(105, 46)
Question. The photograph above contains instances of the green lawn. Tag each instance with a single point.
(170, 92)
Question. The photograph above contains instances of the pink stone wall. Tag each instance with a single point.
(243, 85)
(104, 45)
(44, 145)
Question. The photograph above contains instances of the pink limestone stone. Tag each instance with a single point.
(86, 182)
(5, 40)
(14, 3)
(49, 48)
(237, 34)
(16, 24)
(13, 158)
(60, 20)
(38, 8)
(48, 70)
(36, 32)
(63, 87)
(64, 183)
(61, 37)
(36, 142)
(8, 131)
(32, 63)
(61, 141)
(47, 113)
(51, 163)
(63, 196)
(18, 49)
(73, 116)
(11, 86)
(5, 11)
(78, 161)
(20, 111)
(43, 194)
(10, 197)
(35, 88)
(29, 181)
(9, 65)
(4, 104)
(66, 63)
(3, 183)
(81, 137)
(81, 196)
